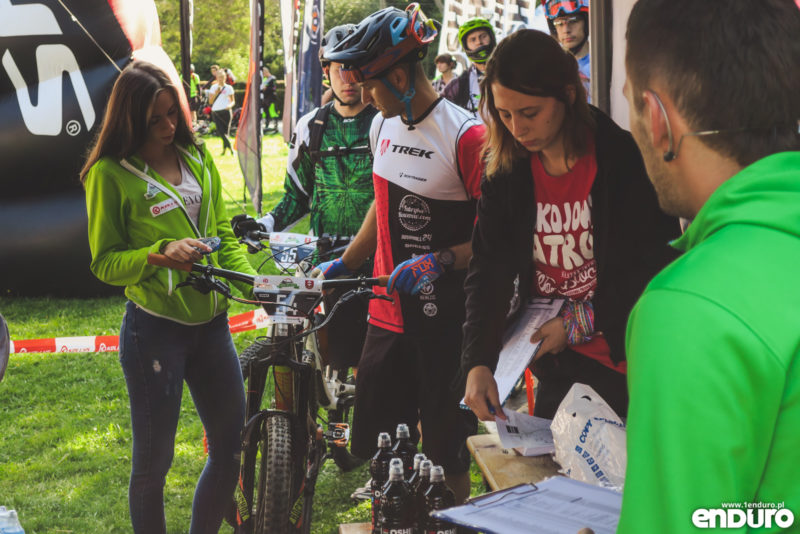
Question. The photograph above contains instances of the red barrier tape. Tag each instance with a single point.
(238, 323)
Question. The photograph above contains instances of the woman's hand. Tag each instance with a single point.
(481, 394)
(553, 337)
(184, 250)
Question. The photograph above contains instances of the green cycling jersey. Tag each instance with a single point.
(337, 189)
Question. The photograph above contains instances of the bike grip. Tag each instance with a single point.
(383, 281)
(161, 260)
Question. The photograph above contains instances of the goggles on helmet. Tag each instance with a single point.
(409, 33)
(559, 8)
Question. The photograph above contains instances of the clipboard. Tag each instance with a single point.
(556, 505)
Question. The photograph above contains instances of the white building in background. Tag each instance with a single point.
(507, 16)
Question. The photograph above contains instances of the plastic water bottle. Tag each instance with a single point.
(438, 497)
(423, 482)
(9, 522)
(397, 503)
(379, 471)
(405, 450)
(418, 459)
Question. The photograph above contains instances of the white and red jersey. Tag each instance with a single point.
(427, 182)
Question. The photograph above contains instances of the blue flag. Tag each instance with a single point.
(309, 91)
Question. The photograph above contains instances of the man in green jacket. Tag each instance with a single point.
(713, 343)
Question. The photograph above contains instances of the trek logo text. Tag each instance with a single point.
(412, 151)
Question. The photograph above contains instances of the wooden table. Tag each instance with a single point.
(355, 528)
(504, 468)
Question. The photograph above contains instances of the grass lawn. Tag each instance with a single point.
(65, 433)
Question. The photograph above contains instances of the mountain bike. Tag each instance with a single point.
(336, 385)
(285, 444)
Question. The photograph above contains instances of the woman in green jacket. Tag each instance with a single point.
(151, 188)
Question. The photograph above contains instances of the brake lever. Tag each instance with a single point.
(253, 245)
(205, 285)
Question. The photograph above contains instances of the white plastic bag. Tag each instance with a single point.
(590, 439)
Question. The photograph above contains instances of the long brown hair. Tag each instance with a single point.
(533, 63)
(125, 123)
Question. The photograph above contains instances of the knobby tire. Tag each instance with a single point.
(275, 477)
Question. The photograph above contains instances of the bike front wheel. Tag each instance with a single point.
(275, 477)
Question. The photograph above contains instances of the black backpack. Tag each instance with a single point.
(317, 128)
(463, 97)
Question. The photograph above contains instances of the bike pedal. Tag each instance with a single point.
(338, 434)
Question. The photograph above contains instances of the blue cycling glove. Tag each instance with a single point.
(411, 275)
(331, 269)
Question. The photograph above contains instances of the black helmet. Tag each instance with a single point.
(382, 40)
(333, 37)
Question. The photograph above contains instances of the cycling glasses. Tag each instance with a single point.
(565, 6)
(407, 34)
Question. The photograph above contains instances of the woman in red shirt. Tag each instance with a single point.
(568, 210)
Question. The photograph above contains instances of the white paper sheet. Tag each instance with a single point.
(518, 351)
(558, 505)
(529, 435)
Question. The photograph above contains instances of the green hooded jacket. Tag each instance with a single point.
(713, 350)
(133, 211)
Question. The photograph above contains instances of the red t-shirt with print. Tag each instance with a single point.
(563, 251)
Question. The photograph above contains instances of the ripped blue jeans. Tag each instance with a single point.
(157, 356)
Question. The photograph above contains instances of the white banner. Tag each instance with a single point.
(288, 18)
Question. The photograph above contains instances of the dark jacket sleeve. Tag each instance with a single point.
(489, 285)
(633, 246)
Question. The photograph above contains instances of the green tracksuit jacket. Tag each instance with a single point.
(133, 211)
(713, 350)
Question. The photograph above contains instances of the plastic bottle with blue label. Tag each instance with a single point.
(9, 522)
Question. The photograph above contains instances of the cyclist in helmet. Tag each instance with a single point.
(426, 176)
(478, 40)
(329, 175)
(569, 24)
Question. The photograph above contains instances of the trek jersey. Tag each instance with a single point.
(427, 181)
(338, 189)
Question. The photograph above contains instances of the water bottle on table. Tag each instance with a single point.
(9, 522)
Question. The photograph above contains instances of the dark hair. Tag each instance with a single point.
(549, 71)
(732, 65)
(125, 124)
(445, 58)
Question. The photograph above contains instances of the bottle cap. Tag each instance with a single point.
(437, 473)
(425, 468)
(402, 431)
(418, 460)
(384, 440)
(396, 471)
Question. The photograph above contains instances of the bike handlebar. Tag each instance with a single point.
(161, 260)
